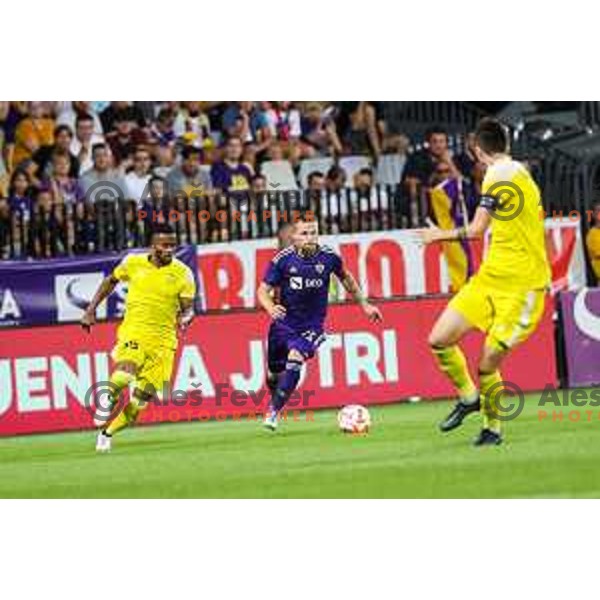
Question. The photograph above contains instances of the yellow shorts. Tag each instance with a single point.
(508, 317)
(154, 363)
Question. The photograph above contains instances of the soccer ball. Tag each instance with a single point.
(354, 419)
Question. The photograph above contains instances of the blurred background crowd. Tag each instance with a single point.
(73, 174)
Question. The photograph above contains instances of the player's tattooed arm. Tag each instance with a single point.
(104, 291)
(265, 299)
(351, 286)
(474, 230)
(186, 313)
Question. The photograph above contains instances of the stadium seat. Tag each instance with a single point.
(352, 165)
(309, 165)
(389, 169)
(279, 175)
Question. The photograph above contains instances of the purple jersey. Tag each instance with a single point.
(231, 179)
(304, 285)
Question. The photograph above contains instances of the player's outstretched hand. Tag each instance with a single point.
(277, 312)
(88, 319)
(429, 235)
(373, 313)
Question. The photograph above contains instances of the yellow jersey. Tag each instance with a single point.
(593, 246)
(517, 259)
(152, 301)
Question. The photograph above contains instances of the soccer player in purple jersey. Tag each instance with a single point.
(301, 273)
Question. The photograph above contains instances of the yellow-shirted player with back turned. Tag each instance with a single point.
(506, 298)
(159, 300)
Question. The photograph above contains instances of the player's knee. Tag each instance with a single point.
(437, 341)
(295, 356)
(121, 378)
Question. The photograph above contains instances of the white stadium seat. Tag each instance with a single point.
(279, 175)
(352, 165)
(389, 169)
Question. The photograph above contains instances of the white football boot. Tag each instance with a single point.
(103, 442)
(271, 420)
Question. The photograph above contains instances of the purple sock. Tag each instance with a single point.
(288, 381)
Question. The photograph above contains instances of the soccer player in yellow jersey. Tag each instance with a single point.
(159, 300)
(506, 297)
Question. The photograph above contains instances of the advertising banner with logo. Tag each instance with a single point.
(581, 319)
(50, 374)
(58, 290)
(387, 264)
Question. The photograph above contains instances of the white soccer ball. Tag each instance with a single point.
(354, 419)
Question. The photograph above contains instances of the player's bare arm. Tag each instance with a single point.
(265, 299)
(351, 286)
(104, 291)
(474, 230)
(186, 313)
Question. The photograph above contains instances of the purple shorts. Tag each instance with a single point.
(283, 338)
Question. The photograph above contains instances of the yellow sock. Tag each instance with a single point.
(127, 416)
(452, 361)
(487, 381)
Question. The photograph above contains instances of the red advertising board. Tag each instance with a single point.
(46, 372)
(387, 264)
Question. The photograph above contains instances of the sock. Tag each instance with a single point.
(453, 363)
(488, 409)
(287, 384)
(127, 416)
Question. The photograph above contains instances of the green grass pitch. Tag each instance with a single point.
(404, 456)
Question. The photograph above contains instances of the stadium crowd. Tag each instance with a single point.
(61, 163)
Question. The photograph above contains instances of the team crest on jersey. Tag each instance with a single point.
(319, 268)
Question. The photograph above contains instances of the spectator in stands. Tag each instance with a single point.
(369, 203)
(69, 114)
(244, 121)
(20, 209)
(136, 181)
(249, 157)
(335, 180)
(593, 244)
(20, 194)
(65, 188)
(83, 142)
(45, 230)
(188, 177)
(102, 182)
(163, 130)
(230, 174)
(33, 132)
(318, 132)
(124, 139)
(121, 110)
(63, 137)
(192, 126)
(165, 159)
(419, 168)
(334, 204)
(316, 182)
(258, 185)
(357, 127)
